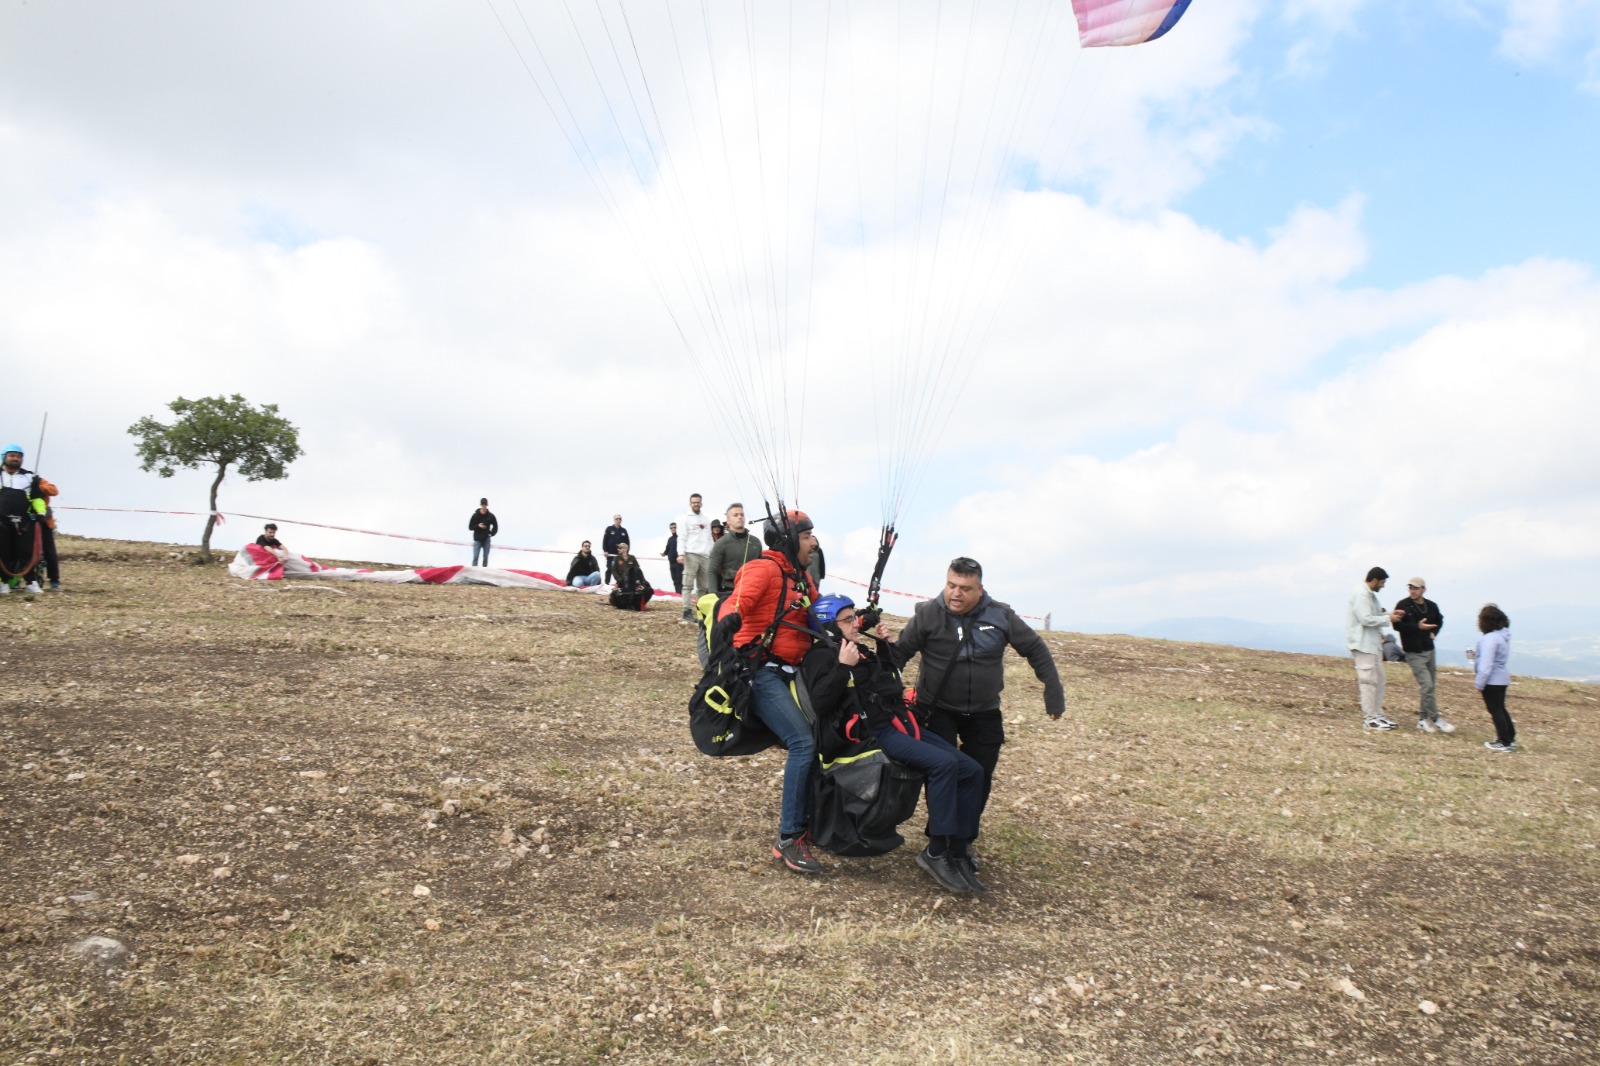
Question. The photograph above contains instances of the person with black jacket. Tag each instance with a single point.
(674, 567)
(484, 525)
(963, 636)
(584, 573)
(632, 589)
(615, 534)
(859, 689)
(1418, 625)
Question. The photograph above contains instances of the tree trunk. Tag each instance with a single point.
(211, 518)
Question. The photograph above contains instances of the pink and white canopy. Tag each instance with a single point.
(1121, 22)
(255, 563)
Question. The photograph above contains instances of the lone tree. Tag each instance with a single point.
(224, 432)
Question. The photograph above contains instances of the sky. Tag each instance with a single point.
(1204, 327)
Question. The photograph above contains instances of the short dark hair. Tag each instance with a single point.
(695, 496)
(484, 502)
(1492, 618)
(270, 525)
(967, 567)
(1377, 573)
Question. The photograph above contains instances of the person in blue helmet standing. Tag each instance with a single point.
(860, 687)
(22, 507)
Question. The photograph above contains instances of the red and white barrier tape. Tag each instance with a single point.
(453, 543)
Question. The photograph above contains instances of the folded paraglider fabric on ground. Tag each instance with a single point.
(255, 563)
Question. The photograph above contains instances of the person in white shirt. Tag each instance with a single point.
(694, 553)
(1364, 626)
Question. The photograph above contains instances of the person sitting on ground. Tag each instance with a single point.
(633, 590)
(853, 680)
(584, 573)
(269, 540)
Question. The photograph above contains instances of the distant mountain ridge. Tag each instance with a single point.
(1557, 641)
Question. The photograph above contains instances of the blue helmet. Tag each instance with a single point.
(827, 608)
(14, 448)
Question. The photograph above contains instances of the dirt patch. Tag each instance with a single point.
(415, 824)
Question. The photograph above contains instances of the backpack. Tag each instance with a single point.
(859, 799)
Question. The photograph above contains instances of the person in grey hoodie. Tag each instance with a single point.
(1492, 675)
(963, 636)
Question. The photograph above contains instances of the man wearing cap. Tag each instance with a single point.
(22, 505)
(615, 534)
(1419, 624)
(484, 526)
(1365, 621)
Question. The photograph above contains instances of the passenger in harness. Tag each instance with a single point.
(859, 687)
(22, 507)
(769, 604)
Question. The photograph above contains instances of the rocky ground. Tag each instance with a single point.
(370, 824)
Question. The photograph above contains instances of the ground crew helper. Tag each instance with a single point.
(963, 636)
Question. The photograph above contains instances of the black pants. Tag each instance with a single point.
(631, 601)
(1494, 698)
(980, 736)
(16, 547)
(676, 569)
(52, 562)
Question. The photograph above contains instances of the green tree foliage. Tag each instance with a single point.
(223, 432)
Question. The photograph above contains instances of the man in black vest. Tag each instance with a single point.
(963, 636)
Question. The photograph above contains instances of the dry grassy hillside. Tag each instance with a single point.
(460, 825)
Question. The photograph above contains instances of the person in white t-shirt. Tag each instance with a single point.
(694, 553)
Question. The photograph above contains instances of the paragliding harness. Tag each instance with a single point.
(859, 795)
(721, 721)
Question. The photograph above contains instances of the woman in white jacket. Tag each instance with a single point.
(1493, 676)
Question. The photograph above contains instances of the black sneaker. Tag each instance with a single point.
(943, 870)
(969, 873)
(796, 854)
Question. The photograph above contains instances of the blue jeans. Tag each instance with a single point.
(955, 781)
(775, 706)
(586, 581)
(480, 546)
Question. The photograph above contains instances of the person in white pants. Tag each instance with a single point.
(1365, 623)
(694, 553)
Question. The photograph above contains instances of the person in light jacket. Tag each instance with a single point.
(1364, 623)
(1492, 676)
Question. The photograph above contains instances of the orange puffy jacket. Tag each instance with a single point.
(755, 598)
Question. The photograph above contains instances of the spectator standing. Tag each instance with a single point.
(47, 531)
(963, 636)
(1364, 623)
(584, 573)
(1419, 624)
(671, 552)
(737, 547)
(716, 531)
(694, 553)
(632, 589)
(615, 534)
(484, 526)
(1492, 675)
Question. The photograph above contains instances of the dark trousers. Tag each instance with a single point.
(980, 734)
(1494, 698)
(16, 547)
(676, 568)
(52, 563)
(631, 601)
(955, 781)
